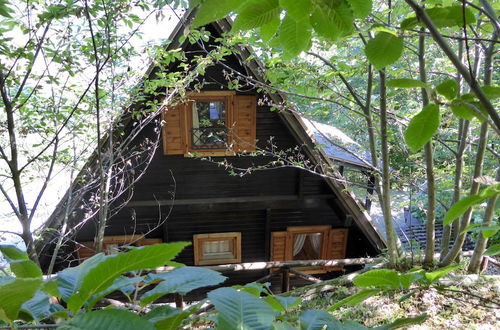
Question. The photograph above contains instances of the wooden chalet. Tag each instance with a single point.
(276, 214)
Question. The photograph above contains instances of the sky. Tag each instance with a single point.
(155, 32)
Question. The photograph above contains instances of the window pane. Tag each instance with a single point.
(218, 249)
(307, 246)
(209, 124)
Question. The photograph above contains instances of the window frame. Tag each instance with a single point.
(199, 239)
(292, 231)
(282, 243)
(210, 96)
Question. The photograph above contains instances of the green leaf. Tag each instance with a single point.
(432, 277)
(13, 253)
(213, 10)
(181, 280)
(256, 13)
(448, 88)
(5, 11)
(355, 299)
(493, 250)
(492, 92)
(39, 307)
(108, 319)
(19, 262)
(119, 283)
(297, 9)
(409, 278)
(422, 127)
(14, 292)
(406, 83)
(384, 50)
(282, 304)
(240, 310)
(281, 325)
(459, 208)
(314, 319)
(294, 36)
(404, 322)
(332, 19)
(442, 17)
(104, 273)
(361, 8)
(268, 30)
(463, 111)
(381, 278)
(168, 318)
(25, 268)
(487, 230)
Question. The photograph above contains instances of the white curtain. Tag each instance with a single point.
(298, 243)
(316, 242)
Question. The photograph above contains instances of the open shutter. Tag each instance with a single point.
(278, 245)
(174, 130)
(337, 246)
(244, 118)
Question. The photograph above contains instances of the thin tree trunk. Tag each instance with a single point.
(386, 180)
(429, 165)
(452, 229)
(490, 208)
(466, 217)
(475, 261)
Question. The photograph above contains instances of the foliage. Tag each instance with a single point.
(252, 306)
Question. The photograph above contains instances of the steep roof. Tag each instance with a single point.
(337, 144)
(297, 126)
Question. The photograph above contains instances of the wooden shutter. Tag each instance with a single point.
(337, 246)
(278, 245)
(85, 250)
(244, 119)
(148, 241)
(174, 130)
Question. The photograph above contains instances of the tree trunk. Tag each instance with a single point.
(429, 166)
(475, 261)
(386, 180)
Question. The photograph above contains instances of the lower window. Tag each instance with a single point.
(219, 248)
(309, 243)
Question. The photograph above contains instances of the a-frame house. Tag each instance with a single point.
(282, 213)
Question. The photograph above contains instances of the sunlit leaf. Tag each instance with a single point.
(381, 278)
(255, 13)
(355, 298)
(448, 88)
(384, 50)
(406, 83)
(422, 127)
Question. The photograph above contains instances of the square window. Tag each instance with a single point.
(220, 248)
(209, 128)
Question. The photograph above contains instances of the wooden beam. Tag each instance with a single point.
(282, 264)
(305, 276)
(225, 200)
(285, 280)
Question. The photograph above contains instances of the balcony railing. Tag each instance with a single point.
(209, 137)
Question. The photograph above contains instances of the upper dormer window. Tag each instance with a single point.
(209, 129)
(212, 123)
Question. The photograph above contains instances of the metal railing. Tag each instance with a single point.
(209, 137)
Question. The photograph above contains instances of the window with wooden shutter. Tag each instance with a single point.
(244, 132)
(174, 137)
(309, 243)
(113, 244)
(211, 123)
